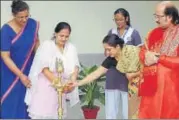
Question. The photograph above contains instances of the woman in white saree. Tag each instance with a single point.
(42, 97)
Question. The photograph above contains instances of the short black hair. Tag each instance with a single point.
(113, 40)
(19, 6)
(172, 11)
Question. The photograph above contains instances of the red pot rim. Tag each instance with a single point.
(86, 108)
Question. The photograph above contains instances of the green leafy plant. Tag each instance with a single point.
(93, 90)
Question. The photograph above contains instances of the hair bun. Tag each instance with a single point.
(15, 2)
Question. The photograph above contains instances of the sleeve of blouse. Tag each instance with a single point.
(136, 38)
(5, 39)
(107, 63)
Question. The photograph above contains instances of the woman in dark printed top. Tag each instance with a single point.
(116, 83)
(116, 91)
(114, 46)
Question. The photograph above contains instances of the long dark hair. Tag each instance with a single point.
(172, 12)
(125, 13)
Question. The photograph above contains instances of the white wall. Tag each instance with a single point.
(90, 20)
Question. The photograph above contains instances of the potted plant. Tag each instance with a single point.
(91, 92)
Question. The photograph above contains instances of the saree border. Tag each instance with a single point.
(25, 63)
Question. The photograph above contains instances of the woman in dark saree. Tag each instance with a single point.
(19, 39)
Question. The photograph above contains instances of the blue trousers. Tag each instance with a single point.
(116, 101)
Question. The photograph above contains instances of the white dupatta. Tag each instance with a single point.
(45, 57)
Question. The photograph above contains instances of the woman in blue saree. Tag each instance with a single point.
(19, 39)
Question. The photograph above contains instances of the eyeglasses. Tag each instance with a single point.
(22, 17)
(158, 16)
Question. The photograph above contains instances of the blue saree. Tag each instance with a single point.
(21, 47)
